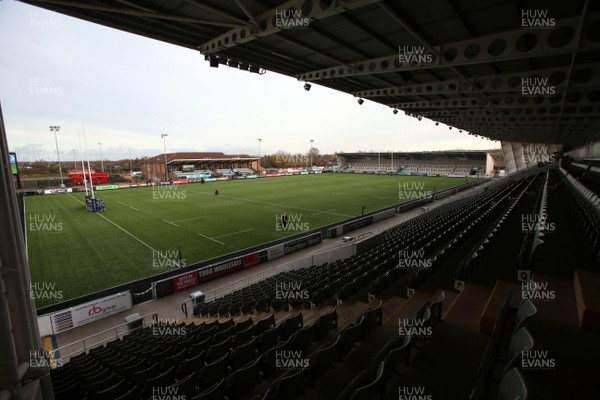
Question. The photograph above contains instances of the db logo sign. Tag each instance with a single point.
(94, 310)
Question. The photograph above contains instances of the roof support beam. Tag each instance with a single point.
(493, 48)
(274, 21)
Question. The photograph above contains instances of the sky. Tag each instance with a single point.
(124, 91)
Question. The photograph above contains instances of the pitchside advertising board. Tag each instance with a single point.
(90, 312)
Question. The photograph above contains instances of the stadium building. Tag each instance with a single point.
(195, 166)
(485, 290)
(446, 163)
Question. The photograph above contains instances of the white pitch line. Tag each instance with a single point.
(189, 219)
(169, 222)
(136, 209)
(279, 205)
(122, 203)
(235, 233)
(124, 230)
(386, 197)
(325, 212)
(209, 238)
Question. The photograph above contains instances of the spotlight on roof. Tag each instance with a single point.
(214, 62)
(360, 101)
(395, 111)
(450, 127)
(437, 123)
(419, 118)
(460, 131)
(232, 63)
(307, 86)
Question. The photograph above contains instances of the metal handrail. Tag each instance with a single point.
(85, 347)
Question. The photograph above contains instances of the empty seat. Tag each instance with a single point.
(512, 386)
(374, 389)
(304, 337)
(350, 336)
(243, 380)
(213, 372)
(290, 385)
(185, 387)
(323, 359)
(218, 391)
(326, 323)
(243, 354)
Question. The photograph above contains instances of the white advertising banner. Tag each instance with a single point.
(275, 252)
(90, 312)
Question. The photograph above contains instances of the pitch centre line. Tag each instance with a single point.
(169, 222)
(235, 233)
(209, 238)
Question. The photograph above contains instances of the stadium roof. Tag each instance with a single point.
(508, 70)
(183, 157)
(422, 154)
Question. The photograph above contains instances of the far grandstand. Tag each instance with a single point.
(458, 163)
(196, 166)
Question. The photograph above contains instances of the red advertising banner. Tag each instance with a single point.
(181, 282)
(251, 260)
(181, 181)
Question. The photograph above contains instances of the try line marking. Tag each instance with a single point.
(127, 232)
(169, 222)
(209, 238)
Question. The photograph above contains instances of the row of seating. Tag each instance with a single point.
(470, 262)
(192, 358)
(587, 206)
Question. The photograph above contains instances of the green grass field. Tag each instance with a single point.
(138, 236)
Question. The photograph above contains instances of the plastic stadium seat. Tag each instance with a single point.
(186, 387)
(264, 324)
(133, 394)
(374, 389)
(243, 380)
(243, 325)
(304, 337)
(290, 385)
(243, 336)
(350, 336)
(360, 380)
(291, 325)
(165, 379)
(218, 350)
(323, 359)
(113, 391)
(191, 365)
(398, 355)
(243, 354)
(269, 339)
(214, 372)
(218, 391)
(525, 310)
(326, 323)
(512, 386)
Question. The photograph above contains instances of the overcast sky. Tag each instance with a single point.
(126, 90)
